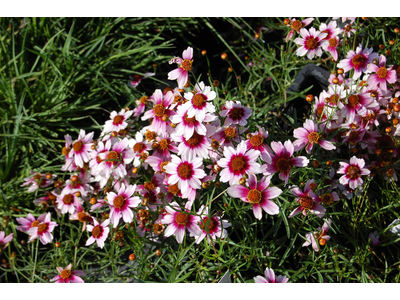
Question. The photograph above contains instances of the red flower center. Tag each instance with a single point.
(138, 147)
(77, 146)
(159, 110)
(199, 100)
(254, 196)
(42, 228)
(353, 172)
(211, 222)
(236, 113)
(311, 43)
(97, 231)
(306, 202)
(149, 186)
(173, 188)
(320, 111)
(283, 165)
(382, 72)
(190, 120)
(119, 201)
(313, 137)
(296, 25)
(185, 170)
(238, 164)
(118, 120)
(65, 274)
(353, 100)
(332, 42)
(187, 64)
(83, 217)
(334, 99)
(256, 140)
(163, 144)
(68, 199)
(230, 132)
(195, 139)
(358, 60)
(181, 218)
(112, 155)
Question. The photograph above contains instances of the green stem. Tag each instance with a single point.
(34, 263)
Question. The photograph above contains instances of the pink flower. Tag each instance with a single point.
(82, 147)
(259, 195)
(310, 42)
(283, 160)
(138, 78)
(237, 162)
(270, 277)
(197, 146)
(118, 121)
(68, 276)
(165, 145)
(37, 179)
(99, 233)
(122, 203)
(26, 223)
(308, 136)
(257, 142)
(185, 65)
(68, 202)
(141, 106)
(382, 75)
(199, 102)
(43, 230)
(296, 25)
(178, 222)
(357, 60)
(331, 30)
(353, 172)
(5, 240)
(358, 102)
(186, 174)
(82, 216)
(330, 46)
(319, 235)
(235, 113)
(115, 160)
(307, 200)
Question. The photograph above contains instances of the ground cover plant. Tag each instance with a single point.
(130, 156)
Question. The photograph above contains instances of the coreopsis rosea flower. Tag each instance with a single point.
(308, 201)
(43, 230)
(185, 65)
(200, 101)
(136, 79)
(4, 240)
(118, 121)
(381, 74)
(68, 276)
(270, 277)
(99, 233)
(235, 113)
(318, 237)
(259, 194)
(38, 179)
(81, 148)
(310, 42)
(296, 25)
(352, 172)
(256, 141)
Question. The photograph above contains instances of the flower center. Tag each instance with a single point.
(320, 111)
(182, 218)
(199, 100)
(238, 164)
(159, 110)
(65, 151)
(256, 140)
(158, 228)
(163, 144)
(77, 146)
(143, 100)
(382, 72)
(185, 171)
(283, 165)
(296, 25)
(173, 188)
(187, 64)
(358, 60)
(68, 199)
(311, 43)
(212, 224)
(236, 113)
(119, 201)
(332, 42)
(35, 224)
(254, 196)
(97, 231)
(334, 99)
(230, 132)
(306, 202)
(353, 100)
(99, 159)
(114, 156)
(353, 172)
(195, 139)
(139, 147)
(313, 137)
(150, 135)
(190, 120)
(65, 274)
(149, 186)
(354, 135)
(162, 165)
(118, 120)
(83, 217)
(327, 199)
(42, 228)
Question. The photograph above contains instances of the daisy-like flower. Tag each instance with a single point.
(308, 136)
(185, 65)
(211, 226)
(140, 148)
(68, 276)
(99, 233)
(160, 111)
(331, 41)
(178, 222)
(296, 25)
(259, 195)
(29, 221)
(331, 29)
(81, 148)
(122, 203)
(185, 173)
(270, 277)
(69, 161)
(141, 106)
(283, 161)
(78, 182)
(256, 141)
(199, 100)
(226, 134)
(382, 74)
(352, 172)
(358, 103)
(237, 162)
(115, 161)
(43, 230)
(156, 163)
(136, 79)
(165, 144)
(307, 200)
(37, 179)
(310, 42)
(319, 235)
(235, 113)
(197, 146)
(4, 240)
(82, 216)
(357, 60)
(330, 45)
(118, 121)
(68, 202)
